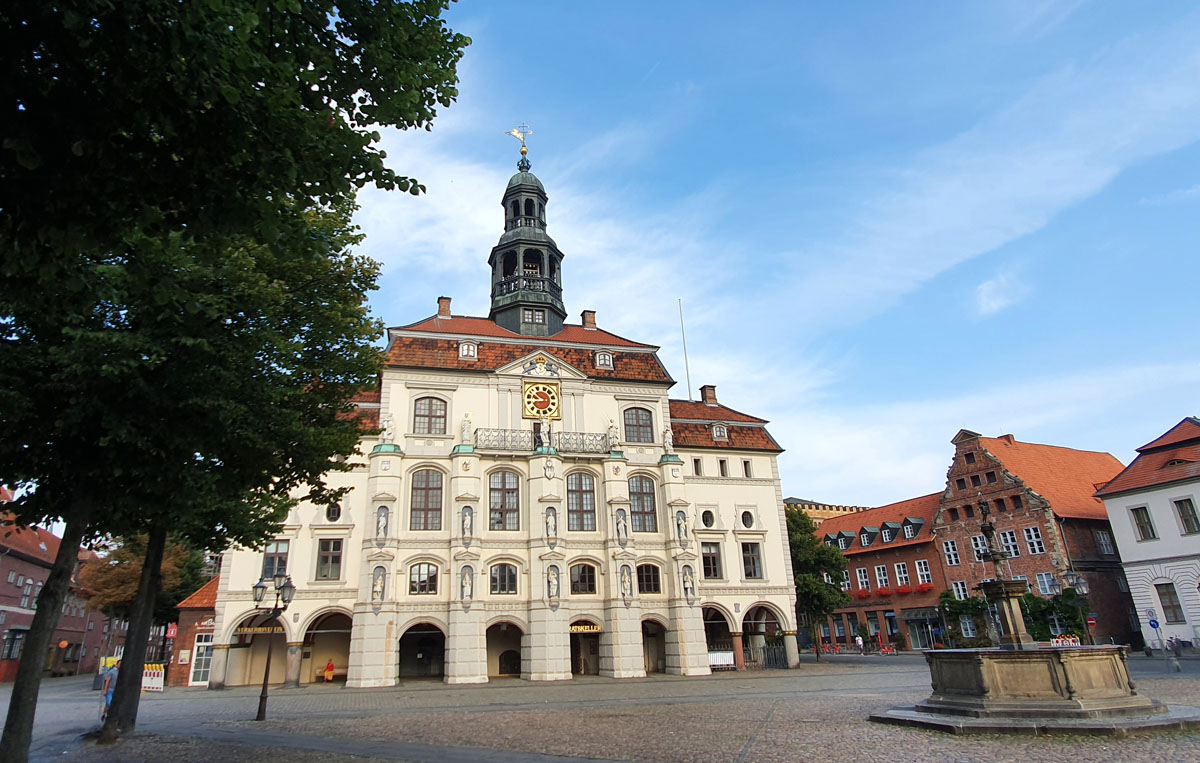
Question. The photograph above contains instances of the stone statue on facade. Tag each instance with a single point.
(668, 439)
(551, 523)
(681, 527)
(614, 436)
(622, 527)
(626, 583)
(381, 522)
(465, 430)
(552, 582)
(467, 582)
(377, 584)
(689, 584)
(389, 433)
(467, 521)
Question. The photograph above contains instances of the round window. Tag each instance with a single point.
(333, 513)
(707, 518)
(747, 519)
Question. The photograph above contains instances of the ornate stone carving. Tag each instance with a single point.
(381, 522)
(378, 584)
(622, 528)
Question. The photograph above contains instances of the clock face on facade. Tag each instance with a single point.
(541, 400)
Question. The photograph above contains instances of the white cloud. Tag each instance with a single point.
(998, 293)
(1173, 197)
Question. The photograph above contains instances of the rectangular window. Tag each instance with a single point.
(13, 640)
(533, 316)
(202, 658)
(845, 580)
(950, 549)
(1142, 524)
(967, 624)
(329, 559)
(901, 573)
(887, 534)
(969, 457)
(978, 547)
(1104, 542)
(960, 589)
(960, 483)
(910, 532)
(924, 575)
(1187, 516)
(20, 580)
(1122, 584)
(1033, 540)
(752, 560)
(648, 579)
(1000, 506)
(827, 577)
(503, 507)
(504, 578)
(696, 470)
(1172, 611)
(864, 580)
(953, 514)
(722, 467)
(1008, 542)
(1058, 626)
(991, 477)
(843, 543)
(839, 628)
(581, 502)
(710, 557)
(1045, 581)
(12, 575)
(969, 511)
(881, 576)
(746, 469)
(275, 556)
(975, 481)
(1016, 502)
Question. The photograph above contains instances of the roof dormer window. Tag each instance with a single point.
(910, 532)
(1177, 462)
(604, 360)
(843, 543)
(887, 535)
(468, 350)
(720, 432)
(864, 539)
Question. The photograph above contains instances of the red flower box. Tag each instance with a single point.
(863, 593)
(883, 591)
(903, 590)
(924, 587)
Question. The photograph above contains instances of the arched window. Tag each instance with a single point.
(423, 579)
(426, 502)
(529, 207)
(430, 416)
(542, 212)
(642, 513)
(581, 501)
(648, 579)
(639, 425)
(504, 578)
(503, 507)
(583, 578)
(516, 208)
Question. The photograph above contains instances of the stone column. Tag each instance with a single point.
(220, 661)
(686, 646)
(466, 647)
(549, 639)
(622, 654)
(739, 658)
(792, 647)
(292, 674)
(373, 643)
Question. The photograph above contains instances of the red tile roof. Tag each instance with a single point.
(32, 542)
(697, 411)
(571, 333)
(429, 352)
(1188, 429)
(205, 597)
(925, 507)
(1179, 447)
(689, 430)
(1063, 476)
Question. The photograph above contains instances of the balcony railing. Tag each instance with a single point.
(524, 221)
(526, 283)
(524, 440)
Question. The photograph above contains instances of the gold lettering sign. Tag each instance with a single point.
(260, 629)
(585, 628)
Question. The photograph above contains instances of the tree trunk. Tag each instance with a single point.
(122, 716)
(815, 629)
(18, 727)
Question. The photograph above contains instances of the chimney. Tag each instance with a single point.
(443, 307)
(1007, 438)
(708, 394)
(589, 319)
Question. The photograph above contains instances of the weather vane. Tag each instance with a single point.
(521, 132)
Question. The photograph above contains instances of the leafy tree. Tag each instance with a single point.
(178, 335)
(811, 561)
(111, 584)
(1066, 605)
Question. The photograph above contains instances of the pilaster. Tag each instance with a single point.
(546, 649)
(291, 677)
(216, 671)
(687, 649)
(373, 643)
(466, 647)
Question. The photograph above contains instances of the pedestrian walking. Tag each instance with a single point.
(110, 685)
(859, 641)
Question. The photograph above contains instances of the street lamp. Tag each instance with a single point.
(284, 591)
(1080, 584)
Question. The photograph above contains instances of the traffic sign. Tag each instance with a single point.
(1091, 622)
(1154, 624)
(1151, 614)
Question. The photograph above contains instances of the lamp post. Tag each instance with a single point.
(1080, 584)
(284, 591)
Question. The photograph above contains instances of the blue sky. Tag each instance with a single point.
(886, 221)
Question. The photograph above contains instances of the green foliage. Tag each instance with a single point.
(972, 605)
(811, 561)
(1067, 606)
(110, 584)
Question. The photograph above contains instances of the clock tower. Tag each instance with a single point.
(526, 263)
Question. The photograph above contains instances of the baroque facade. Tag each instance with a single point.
(530, 503)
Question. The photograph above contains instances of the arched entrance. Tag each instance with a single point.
(248, 651)
(504, 650)
(422, 652)
(762, 639)
(654, 646)
(719, 639)
(585, 648)
(326, 640)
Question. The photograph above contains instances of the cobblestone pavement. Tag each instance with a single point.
(815, 712)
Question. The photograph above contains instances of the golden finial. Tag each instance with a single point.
(521, 132)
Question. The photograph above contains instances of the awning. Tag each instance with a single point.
(920, 613)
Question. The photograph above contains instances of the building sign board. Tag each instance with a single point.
(585, 628)
(259, 629)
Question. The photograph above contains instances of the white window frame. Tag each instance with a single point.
(910, 532)
(959, 587)
(966, 624)
(1104, 541)
(950, 550)
(864, 539)
(604, 359)
(1010, 544)
(887, 535)
(843, 543)
(881, 576)
(1045, 581)
(978, 546)
(1058, 626)
(902, 573)
(1137, 532)
(202, 640)
(864, 579)
(924, 573)
(468, 350)
(845, 580)
(1033, 540)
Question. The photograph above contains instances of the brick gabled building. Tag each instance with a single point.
(1041, 499)
(192, 657)
(892, 573)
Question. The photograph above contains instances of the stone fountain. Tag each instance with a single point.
(1022, 686)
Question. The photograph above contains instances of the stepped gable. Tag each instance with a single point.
(691, 427)
(1173, 457)
(419, 346)
(924, 507)
(1065, 477)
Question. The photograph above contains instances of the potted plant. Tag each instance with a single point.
(883, 591)
(904, 590)
(863, 593)
(924, 587)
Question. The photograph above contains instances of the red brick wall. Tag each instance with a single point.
(191, 622)
(876, 605)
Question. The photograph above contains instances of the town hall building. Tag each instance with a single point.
(528, 502)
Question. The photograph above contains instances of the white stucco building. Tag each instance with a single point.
(534, 505)
(1152, 506)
